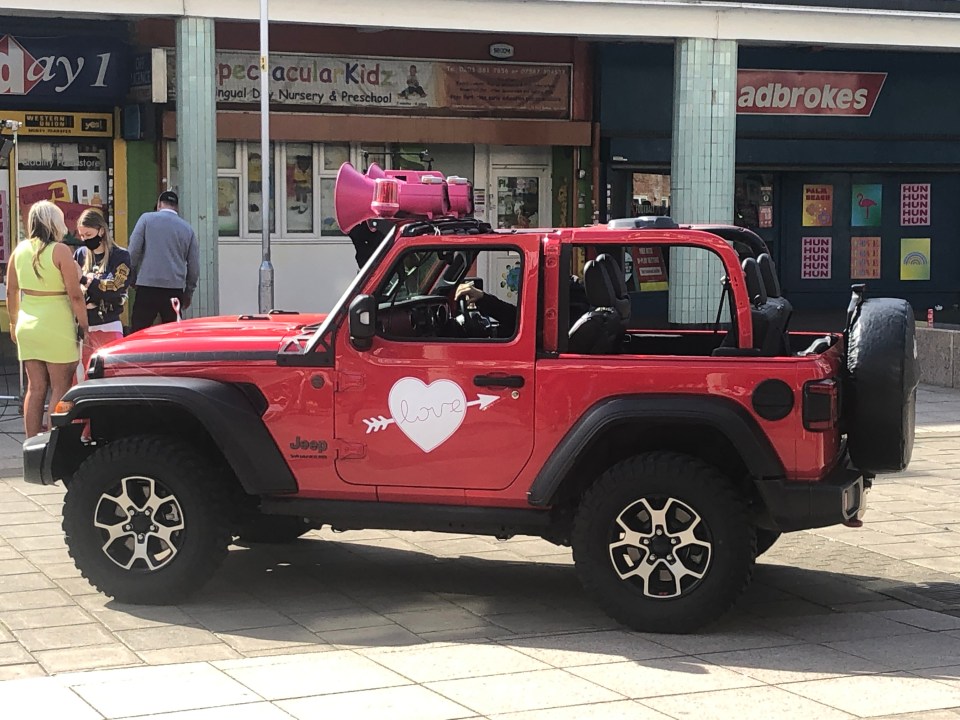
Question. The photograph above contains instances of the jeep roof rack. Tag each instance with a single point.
(659, 222)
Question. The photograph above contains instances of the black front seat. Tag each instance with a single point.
(601, 330)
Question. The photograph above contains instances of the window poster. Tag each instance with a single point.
(915, 258)
(817, 205)
(817, 254)
(518, 202)
(865, 258)
(228, 206)
(866, 205)
(915, 204)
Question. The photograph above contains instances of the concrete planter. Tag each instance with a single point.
(939, 351)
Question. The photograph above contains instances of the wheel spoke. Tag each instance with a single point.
(140, 553)
(165, 533)
(114, 533)
(687, 537)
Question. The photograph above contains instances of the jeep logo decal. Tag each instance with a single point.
(317, 446)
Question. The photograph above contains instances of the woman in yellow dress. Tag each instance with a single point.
(46, 308)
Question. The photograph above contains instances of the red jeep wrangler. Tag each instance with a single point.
(667, 431)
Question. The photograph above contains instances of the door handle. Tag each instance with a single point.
(508, 381)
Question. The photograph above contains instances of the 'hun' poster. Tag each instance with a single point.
(816, 258)
(915, 204)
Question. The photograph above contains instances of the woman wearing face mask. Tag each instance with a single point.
(46, 307)
(105, 275)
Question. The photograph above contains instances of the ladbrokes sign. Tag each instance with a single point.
(789, 92)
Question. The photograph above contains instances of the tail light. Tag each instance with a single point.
(821, 406)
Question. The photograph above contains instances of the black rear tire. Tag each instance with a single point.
(147, 519)
(664, 543)
(880, 389)
(276, 529)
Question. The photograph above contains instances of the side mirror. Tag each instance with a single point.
(363, 321)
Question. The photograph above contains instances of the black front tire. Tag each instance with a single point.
(664, 543)
(147, 519)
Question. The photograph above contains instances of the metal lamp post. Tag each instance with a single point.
(266, 266)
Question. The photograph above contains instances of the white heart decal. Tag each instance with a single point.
(427, 414)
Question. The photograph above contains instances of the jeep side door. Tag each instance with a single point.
(425, 407)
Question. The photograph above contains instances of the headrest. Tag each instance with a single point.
(751, 274)
(769, 274)
(604, 285)
(458, 263)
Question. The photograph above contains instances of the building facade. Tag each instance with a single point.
(670, 99)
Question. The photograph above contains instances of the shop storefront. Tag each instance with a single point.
(400, 102)
(847, 163)
(60, 93)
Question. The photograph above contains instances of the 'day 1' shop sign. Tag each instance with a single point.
(62, 70)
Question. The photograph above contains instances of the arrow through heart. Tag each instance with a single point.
(427, 414)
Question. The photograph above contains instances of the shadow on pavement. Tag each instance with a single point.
(791, 621)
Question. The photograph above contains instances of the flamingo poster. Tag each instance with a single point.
(866, 205)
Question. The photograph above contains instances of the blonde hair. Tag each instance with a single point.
(45, 224)
(93, 219)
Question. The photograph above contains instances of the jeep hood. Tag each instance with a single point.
(215, 339)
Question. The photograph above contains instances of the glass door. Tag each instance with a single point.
(521, 196)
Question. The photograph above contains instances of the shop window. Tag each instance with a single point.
(753, 200)
(335, 155)
(302, 183)
(328, 218)
(255, 199)
(651, 194)
(378, 154)
(228, 206)
(227, 155)
(518, 201)
(448, 159)
(299, 187)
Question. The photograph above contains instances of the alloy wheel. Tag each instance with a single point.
(141, 524)
(662, 545)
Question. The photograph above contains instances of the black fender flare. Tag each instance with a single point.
(722, 414)
(228, 413)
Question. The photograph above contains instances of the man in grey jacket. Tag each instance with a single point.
(166, 263)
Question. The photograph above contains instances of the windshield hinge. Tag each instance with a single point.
(349, 381)
(350, 451)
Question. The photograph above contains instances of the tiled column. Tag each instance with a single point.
(702, 167)
(197, 152)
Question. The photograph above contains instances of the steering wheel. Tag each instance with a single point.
(474, 324)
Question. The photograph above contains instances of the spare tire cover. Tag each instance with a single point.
(879, 398)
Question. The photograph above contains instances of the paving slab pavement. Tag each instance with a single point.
(838, 623)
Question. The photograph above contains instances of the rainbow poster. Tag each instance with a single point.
(915, 258)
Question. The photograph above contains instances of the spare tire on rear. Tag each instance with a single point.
(879, 398)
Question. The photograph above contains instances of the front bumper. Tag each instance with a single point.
(838, 498)
(38, 458)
